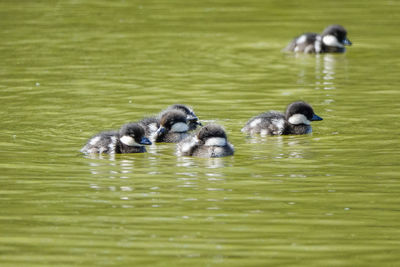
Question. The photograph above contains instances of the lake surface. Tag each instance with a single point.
(69, 69)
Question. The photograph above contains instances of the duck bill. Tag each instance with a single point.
(191, 118)
(316, 118)
(347, 42)
(145, 141)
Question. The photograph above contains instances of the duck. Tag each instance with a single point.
(296, 120)
(209, 142)
(129, 139)
(172, 128)
(332, 40)
(192, 119)
(151, 124)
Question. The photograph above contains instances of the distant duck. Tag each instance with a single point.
(192, 119)
(333, 39)
(209, 142)
(151, 124)
(296, 120)
(129, 139)
(173, 127)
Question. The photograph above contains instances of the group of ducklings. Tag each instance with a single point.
(173, 124)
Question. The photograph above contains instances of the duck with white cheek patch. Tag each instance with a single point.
(151, 124)
(332, 40)
(191, 118)
(129, 139)
(209, 142)
(296, 120)
(173, 127)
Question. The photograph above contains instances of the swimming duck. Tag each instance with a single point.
(332, 39)
(209, 142)
(129, 139)
(192, 119)
(296, 120)
(151, 124)
(173, 127)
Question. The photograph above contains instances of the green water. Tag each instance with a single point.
(69, 69)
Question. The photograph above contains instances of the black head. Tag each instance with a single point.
(300, 112)
(132, 134)
(173, 121)
(185, 109)
(339, 32)
(190, 116)
(211, 131)
(171, 118)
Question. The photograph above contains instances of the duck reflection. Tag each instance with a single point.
(325, 72)
(325, 67)
(208, 163)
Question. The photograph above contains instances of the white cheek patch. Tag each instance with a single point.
(215, 141)
(301, 39)
(94, 140)
(255, 122)
(299, 119)
(179, 127)
(128, 140)
(331, 40)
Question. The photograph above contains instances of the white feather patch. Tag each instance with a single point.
(264, 132)
(301, 39)
(309, 48)
(186, 146)
(331, 40)
(153, 127)
(111, 146)
(279, 123)
(94, 140)
(215, 141)
(179, 127)
(255, 123)
(317, 44)
(299, 119)
(128, 140)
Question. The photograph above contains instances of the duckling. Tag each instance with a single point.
(151, 124)
(129, 139)
(296, 120)
(209, 142)
(192, 119)
(333, 39)
(173, 127)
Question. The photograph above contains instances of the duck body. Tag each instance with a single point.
(191, 118)
(151, 124)
(173, 127)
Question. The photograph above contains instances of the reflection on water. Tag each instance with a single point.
(325, 74)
